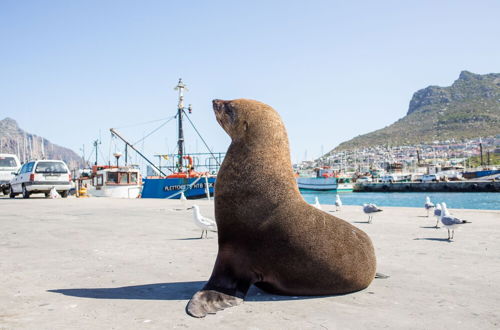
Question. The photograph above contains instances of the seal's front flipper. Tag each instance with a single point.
(210, 302)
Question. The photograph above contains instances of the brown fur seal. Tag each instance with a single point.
(268, 235)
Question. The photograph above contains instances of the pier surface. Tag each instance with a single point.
(133, 264)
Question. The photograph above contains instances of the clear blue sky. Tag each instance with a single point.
(333, 69)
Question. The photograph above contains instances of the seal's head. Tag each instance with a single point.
(249, 120)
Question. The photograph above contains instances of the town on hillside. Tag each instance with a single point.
(439, 161)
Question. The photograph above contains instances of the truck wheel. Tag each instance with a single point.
(26, 193)
(64, 193)
(11, 193)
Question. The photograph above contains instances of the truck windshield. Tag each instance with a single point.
(7, 162)
(51, 167)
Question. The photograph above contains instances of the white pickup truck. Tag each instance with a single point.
(8, 163)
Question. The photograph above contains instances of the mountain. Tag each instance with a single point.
(469, 108)
(14, 140)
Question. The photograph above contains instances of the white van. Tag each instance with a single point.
(8, 163)
(40, 176)
(430, 178)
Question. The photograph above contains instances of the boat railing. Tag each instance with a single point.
(201, 162)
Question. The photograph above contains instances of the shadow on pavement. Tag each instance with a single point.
(433, 239)
(164, 291)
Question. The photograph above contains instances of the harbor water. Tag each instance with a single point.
(480, 201)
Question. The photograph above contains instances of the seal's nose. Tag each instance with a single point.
(218, 105)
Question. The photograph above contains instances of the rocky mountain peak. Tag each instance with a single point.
(467, 75)
(27, 146)
(9, 124)
(469, 108)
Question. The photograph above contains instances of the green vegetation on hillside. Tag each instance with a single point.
(475, 161)
(469, 108)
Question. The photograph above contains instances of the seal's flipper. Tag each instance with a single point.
(226, 287)
(210, 302)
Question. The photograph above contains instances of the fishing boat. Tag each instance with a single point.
(184, 177)
(113, 181)
(325, 180)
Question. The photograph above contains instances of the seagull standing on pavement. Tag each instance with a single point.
(370, 209)
(437, 214)
(428, 205)
(338, 203)
(204, 223)
(53, 193)
(317, 204)
(450, 222)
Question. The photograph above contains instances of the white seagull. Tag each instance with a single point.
(370, 209)
(204, 223)
(338, 203)
(183, 197)
(53, 193)
(428, 205)
(450, 222)
(317, 204)
(437, 214)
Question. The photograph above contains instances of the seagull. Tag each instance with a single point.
(53, 193)
(204, 223)
(370, 209)
(338, 203)
(183, 197)
(437, 214)
(428, 205)
(316, 203)
(450, 222)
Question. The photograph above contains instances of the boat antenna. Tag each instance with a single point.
(96, 144)
(180, 110)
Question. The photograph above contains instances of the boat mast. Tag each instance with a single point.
(180, 110)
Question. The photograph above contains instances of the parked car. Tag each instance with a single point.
(40, 176)
(8, 163)
(430, 178)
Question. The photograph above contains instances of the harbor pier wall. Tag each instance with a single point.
(453, 186)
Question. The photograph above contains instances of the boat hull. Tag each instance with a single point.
(115, 191)
(171, 187)
(323, 184)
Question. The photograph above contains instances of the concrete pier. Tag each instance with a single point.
(451, 186)
(102, 263)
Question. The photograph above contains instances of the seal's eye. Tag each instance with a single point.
(230, 112)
